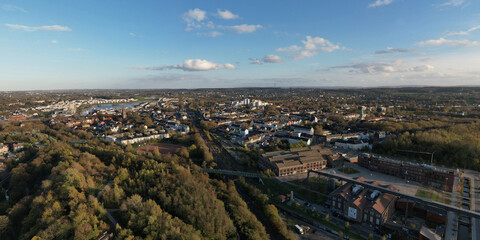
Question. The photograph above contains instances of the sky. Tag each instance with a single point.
(150, 44)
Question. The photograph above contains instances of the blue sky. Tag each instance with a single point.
(59, 44)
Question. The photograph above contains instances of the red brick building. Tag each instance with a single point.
(362, 205)
(17, 118)
(427, 175)
(299, 160)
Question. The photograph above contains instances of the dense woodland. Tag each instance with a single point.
(67, 189)
(455, 146)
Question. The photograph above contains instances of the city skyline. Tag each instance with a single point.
(123, 44)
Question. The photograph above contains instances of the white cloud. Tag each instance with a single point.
(443, 41)
(304, 54)
(292, 48)
(132, 34)
(311, 44)
(311, 47)
(379, 3)
(453, 3)
(395, 50)
(54, 41)
(422, 68)
(244, 28)
(255, 61)
(54, 28)
(194, 15)
(383, 67)
(226, 14)
(12, 8)
(191, 65)
(212, 34)
(467, 32)
(272, 59)
(195, 19)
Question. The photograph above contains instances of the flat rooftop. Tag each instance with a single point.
(297, 156)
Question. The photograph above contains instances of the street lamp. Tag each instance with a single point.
(431, 159)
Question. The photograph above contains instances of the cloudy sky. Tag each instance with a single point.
(58, 44)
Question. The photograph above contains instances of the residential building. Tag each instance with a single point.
(3, 149)
(304, 130)
(330, 137)
(16, 147)
(352, 143)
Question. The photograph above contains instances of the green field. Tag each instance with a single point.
(432, 195)
(348, 170)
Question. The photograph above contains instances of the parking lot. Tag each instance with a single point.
(404, 187)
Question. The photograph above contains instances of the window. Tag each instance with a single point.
(378, 221)
(371, 219)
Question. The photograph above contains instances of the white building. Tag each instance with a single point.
(308, 131)
(354, 145)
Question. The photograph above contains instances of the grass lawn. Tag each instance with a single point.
(273, 188)
(316, 184)
(432, 195)
(348, 170)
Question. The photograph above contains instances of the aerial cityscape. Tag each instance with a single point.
(240, 120)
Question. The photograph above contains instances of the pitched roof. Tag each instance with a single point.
(361, 179)
(361, 201)
(383, 202)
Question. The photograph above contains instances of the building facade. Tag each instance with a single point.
(362, 205)
(299, 160)
(427, 175)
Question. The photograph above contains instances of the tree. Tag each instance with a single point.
(128, 148)
(370, 236)
(113, 197)
(327, 218)
(347, 225)
(148, 121)
(318, 130)
(208, 125)
(244, 126)
(183, 152)
(4, 223)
